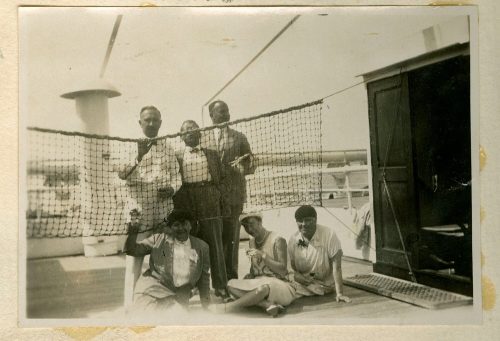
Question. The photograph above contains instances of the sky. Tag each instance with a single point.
(177, 58)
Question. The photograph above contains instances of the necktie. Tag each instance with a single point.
(219, 139)
(302, 243)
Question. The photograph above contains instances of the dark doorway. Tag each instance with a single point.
(421, 165)
(440, 111)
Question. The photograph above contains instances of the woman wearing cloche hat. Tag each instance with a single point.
(265, 286)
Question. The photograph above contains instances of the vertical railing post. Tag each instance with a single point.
(349, 193)
(275, 198)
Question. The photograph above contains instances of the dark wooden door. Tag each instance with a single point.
(391, 157)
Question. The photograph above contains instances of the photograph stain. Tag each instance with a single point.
(489, 294)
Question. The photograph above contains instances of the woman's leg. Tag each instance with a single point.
(250, 298)
(239, 293)
(236, 292)
(265, 304)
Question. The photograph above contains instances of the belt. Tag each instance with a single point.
(198, 184)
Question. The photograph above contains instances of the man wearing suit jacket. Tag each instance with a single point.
(178, 262)
(203, 185)
(236, 157)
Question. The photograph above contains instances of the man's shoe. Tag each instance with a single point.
(222, 293)
(194, 292)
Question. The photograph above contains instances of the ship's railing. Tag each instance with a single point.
(344, 173)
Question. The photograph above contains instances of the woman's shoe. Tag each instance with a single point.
(275, 309)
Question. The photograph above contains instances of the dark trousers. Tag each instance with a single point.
(204, 204)
(210, 231)
(231, 240)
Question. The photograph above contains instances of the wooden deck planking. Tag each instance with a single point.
(89, 289)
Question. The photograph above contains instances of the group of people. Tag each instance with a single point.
(315, 258)
(199, 237)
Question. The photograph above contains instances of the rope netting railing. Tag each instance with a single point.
(86, 185)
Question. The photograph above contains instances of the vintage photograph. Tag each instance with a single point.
(248, 165)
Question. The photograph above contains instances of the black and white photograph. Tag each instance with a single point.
(249, 166)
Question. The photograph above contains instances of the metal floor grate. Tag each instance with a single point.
(406, 291)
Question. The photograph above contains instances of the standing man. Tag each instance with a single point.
(236, 157)
(315, 257)
(152, 177)
(203, 185)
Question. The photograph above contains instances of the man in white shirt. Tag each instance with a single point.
(203, 185)
(152, 176)
(316, 257)
(152, 173)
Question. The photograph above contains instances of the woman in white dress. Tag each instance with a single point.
(266, 285)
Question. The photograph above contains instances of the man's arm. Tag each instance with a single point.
(336, 265)
(204, 281)
(132, 248)
(246, 153)
(244, 145)
(243, 161)
(170, 166)
(173, 169)
(127, 169)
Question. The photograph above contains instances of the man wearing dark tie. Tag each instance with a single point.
(236, 157)
(203, 185)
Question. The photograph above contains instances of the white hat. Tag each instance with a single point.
(243, 216)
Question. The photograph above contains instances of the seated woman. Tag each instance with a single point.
(265, 286)
(316, 257)
(178, 262)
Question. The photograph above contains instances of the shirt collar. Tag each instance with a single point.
(171, 240)
(185, 243)
(315, 236)
(302, 241)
